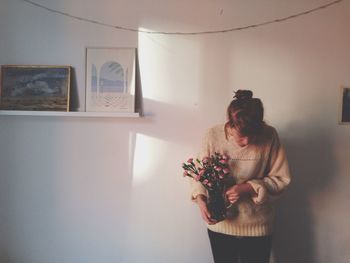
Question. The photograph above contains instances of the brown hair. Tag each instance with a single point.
(246, 114)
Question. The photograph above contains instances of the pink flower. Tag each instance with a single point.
(185, 173)
(205, 160)
(190, 160)
(221, 176)
(205, 181)
(223, 161)
(224, 157)
(226, 170)
(209, 184)
(217, 168)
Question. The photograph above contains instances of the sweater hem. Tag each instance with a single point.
(242, 230)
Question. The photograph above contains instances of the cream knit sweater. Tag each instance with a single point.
(263, 165)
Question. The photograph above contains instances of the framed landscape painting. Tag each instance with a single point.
(110, 80)
(35, 87)
(345, 105)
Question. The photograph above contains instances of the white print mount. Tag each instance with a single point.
(110, 80)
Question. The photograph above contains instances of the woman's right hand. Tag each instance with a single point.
(202, 204)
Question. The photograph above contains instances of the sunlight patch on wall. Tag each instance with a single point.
(146, 159)
(170, 67)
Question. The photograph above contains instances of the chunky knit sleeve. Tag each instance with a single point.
(196, 187)
(277, 175)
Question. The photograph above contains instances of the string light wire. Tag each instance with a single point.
(88, 20)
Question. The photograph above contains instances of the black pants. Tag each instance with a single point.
(228, 249)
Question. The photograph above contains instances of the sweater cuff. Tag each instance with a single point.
(260, 190)
(198, 192)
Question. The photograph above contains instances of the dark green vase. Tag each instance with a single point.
(216, 205)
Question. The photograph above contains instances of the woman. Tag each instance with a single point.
(259, 166)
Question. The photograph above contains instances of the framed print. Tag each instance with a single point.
(42, 88)
(110, 79)
(345, 105)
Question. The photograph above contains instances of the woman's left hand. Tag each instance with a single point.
(234, 193)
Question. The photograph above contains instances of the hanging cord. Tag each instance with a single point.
(278, 20)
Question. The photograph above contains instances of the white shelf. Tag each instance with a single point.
(69, 114)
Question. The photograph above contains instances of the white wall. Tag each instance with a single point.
(110, 190)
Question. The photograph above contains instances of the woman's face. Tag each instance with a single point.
(240, 139)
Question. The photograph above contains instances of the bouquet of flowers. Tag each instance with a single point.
(214, 174)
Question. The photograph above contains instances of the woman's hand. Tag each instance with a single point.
(202, 204)
(234, 193)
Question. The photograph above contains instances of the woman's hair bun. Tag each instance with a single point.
(243, 94)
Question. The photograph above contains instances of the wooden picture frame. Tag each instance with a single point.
(35, 87)
(110, 79)
(344, 115)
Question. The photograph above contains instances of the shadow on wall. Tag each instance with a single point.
(74, 104)
(312, 167)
